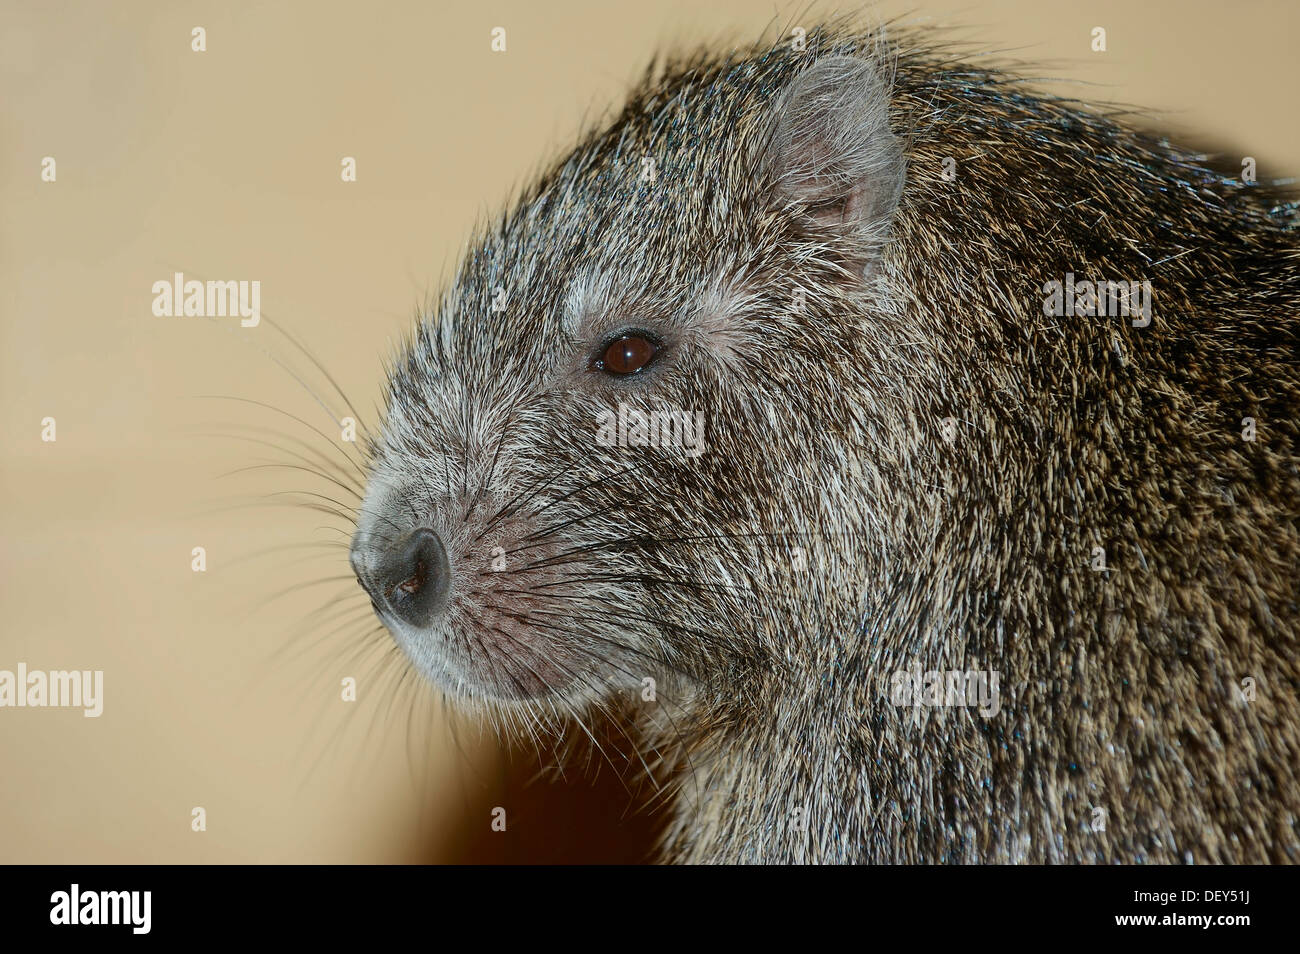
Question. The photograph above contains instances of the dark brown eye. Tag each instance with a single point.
(626, 355)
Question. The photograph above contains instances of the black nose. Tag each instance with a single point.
(412, 578)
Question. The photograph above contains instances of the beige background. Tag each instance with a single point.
(225, 164)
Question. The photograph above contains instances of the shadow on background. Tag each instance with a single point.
(590, 816)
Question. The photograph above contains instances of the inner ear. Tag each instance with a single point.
(831, 155)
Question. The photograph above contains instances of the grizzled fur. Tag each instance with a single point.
(827, 298)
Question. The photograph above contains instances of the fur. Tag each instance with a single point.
(828, 298)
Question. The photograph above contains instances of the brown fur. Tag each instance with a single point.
(1120, 688)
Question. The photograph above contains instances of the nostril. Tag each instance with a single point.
(419, 576)
(412, 577)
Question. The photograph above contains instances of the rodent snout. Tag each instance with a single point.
(411, 578)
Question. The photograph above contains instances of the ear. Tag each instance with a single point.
(831, 155)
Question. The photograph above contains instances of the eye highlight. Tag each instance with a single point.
(629, 353)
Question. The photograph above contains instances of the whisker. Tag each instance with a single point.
(577, 717)
(321, 368)
(334, 472)
(271, 407)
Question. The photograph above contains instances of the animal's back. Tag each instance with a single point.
(1149, 709)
